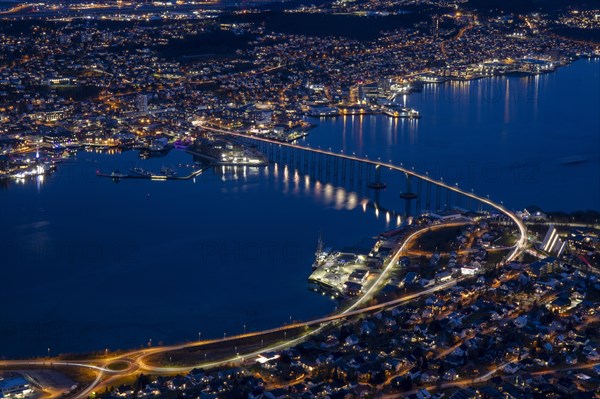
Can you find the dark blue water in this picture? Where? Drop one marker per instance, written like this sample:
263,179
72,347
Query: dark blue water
512,138
88,264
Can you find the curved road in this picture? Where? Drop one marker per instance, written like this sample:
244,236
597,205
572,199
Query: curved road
136,358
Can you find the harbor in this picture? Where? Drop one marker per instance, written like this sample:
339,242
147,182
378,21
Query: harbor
348,273
223,152
210,150
382,107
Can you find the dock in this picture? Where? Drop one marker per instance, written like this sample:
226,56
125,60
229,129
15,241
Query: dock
154,177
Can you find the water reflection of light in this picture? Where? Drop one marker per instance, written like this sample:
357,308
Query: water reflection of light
340,198
360,128
507,102
318,188
352,201
275,170
39,181
328,192
296,182
306,184
536,83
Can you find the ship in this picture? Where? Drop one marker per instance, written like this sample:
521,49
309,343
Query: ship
157,147
115,174
168,172
398,111
433,79
223,152
140,172
321,254
322,111
182,144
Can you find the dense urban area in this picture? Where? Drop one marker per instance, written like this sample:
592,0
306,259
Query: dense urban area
455,304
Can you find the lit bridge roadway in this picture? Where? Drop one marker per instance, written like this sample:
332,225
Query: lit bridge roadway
521,243
135,360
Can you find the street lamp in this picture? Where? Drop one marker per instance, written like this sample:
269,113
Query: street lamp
199,335
244,329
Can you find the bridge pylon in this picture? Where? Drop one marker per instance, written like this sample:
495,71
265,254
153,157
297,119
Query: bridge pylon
377,184
408,195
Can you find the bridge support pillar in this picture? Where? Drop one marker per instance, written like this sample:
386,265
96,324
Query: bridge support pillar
428,200
408,195
419,190
335,168
377,184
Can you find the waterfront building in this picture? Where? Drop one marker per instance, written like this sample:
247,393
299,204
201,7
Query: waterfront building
15,387
552,242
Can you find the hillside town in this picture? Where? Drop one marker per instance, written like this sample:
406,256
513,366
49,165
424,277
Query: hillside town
109,82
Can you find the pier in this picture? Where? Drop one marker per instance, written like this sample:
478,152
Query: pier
152,176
